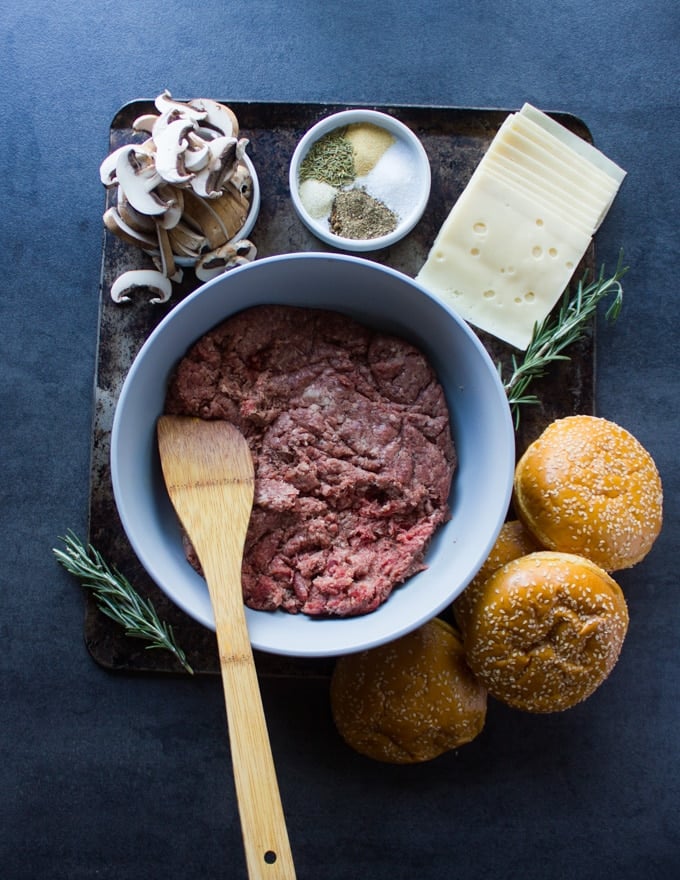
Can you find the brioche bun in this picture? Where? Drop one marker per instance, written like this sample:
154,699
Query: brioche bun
512,542
545,631
409,700
587,486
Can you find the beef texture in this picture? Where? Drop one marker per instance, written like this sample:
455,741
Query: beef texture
352,447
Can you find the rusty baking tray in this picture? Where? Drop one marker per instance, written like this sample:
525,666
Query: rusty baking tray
455,140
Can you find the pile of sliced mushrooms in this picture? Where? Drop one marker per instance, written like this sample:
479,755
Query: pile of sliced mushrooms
182,195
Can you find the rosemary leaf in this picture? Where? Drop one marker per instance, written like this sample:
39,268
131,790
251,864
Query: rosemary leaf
559,330
117,598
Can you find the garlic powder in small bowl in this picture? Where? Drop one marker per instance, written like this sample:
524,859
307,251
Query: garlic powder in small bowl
360,180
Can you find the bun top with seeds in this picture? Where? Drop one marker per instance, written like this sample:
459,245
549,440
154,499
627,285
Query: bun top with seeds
545,631
587,486
410,700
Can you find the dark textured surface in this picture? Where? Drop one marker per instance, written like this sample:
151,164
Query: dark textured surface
127,776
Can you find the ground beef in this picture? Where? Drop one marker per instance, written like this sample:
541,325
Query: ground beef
350,437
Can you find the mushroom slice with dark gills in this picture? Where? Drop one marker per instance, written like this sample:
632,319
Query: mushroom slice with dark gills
136,173
141,278
171,146
224,258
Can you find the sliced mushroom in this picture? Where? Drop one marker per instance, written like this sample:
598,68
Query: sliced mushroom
171,144
141,278
174,199
207,182
245,249
202,214
242,180
165,120
224,258
185,241
107,170
166,258
165,103
230,170
115,224
137,174
197,155
138,221
184,190
148,147
145,122
219,118
232,209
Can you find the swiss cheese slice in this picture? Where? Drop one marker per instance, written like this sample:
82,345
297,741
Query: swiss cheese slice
574,143
500,262
543,192
582,197
540,202
509,247
593,173
597,187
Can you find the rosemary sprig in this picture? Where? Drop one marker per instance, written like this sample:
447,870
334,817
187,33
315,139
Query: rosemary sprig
117,598
557,331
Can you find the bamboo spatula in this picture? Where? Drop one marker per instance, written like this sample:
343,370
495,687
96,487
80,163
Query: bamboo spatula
208,472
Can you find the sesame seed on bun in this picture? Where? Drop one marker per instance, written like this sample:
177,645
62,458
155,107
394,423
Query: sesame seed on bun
587,486
410,700
513,541
545,631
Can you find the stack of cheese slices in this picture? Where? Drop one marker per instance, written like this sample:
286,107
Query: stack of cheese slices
512,241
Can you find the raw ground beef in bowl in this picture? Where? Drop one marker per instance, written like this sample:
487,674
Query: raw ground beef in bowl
350,435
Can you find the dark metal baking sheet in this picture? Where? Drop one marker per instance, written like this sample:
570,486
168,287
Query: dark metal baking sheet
455,140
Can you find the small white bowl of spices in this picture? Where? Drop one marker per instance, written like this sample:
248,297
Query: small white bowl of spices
360,180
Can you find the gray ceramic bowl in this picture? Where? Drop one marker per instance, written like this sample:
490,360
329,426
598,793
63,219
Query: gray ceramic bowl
375,295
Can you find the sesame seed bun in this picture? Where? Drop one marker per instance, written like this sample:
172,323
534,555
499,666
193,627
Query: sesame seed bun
545,631
409,700
587,486
512,542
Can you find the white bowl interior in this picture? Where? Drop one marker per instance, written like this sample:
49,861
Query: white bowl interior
401,132
375,295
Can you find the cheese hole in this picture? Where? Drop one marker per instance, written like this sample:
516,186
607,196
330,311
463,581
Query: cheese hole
529,296
474,252
439,255
479,228
518,299
489,294
569,264
539,222
537,252
552,252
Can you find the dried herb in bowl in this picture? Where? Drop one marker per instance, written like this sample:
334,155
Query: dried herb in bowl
329,160
356,214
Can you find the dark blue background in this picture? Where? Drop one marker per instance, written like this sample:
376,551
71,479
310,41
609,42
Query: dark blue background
103,776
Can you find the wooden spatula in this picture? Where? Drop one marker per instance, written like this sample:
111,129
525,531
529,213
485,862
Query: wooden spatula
208,472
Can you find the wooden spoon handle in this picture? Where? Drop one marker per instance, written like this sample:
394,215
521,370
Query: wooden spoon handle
208,470
263,824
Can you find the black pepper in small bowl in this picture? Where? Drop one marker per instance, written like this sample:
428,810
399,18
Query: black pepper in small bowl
358,215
